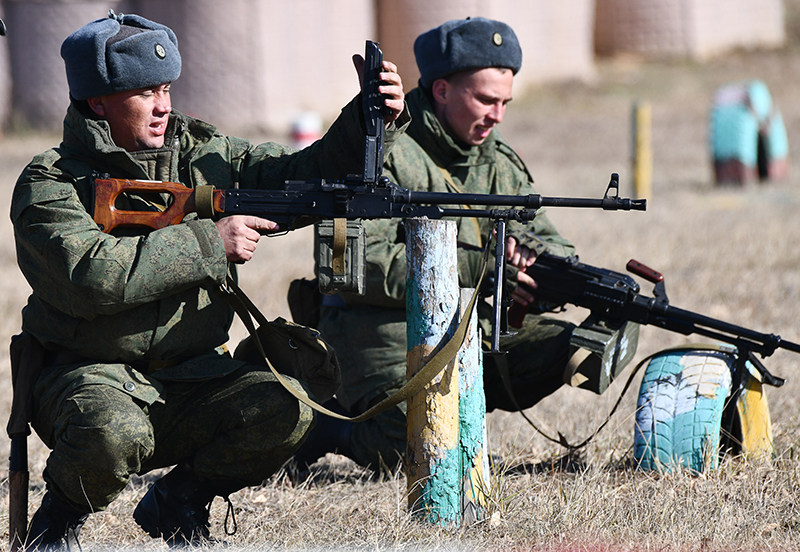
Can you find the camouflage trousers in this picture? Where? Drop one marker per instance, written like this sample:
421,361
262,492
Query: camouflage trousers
105,422
371,346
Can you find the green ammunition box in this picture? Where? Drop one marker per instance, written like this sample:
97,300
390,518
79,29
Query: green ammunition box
600,351
353,276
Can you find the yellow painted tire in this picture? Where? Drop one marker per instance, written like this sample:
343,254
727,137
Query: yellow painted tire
751,433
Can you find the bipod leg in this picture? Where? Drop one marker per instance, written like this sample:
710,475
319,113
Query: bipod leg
730,430
501,299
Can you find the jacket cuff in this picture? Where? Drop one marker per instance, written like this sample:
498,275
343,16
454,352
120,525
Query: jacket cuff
395,129
532,242
211,247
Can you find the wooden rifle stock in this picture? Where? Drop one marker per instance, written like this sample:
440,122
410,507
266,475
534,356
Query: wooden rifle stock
184,201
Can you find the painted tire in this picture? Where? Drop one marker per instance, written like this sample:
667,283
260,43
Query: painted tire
751,427
679,410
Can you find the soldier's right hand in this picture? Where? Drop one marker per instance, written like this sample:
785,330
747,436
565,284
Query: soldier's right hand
240,234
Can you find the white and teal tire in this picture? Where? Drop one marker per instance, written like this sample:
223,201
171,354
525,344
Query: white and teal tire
679,410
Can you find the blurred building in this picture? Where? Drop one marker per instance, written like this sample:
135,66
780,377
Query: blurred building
256,65
698,29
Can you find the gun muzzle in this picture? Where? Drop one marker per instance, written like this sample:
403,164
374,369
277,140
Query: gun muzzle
624,204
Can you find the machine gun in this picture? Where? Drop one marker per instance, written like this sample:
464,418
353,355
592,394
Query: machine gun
614,301
301,203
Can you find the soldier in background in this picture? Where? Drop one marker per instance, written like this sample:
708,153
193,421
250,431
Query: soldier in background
467,70
133,324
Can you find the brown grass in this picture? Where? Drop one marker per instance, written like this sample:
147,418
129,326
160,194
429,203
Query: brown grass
728,253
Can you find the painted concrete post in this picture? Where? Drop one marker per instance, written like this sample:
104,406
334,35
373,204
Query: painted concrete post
447,462
472,439
432,296
642,150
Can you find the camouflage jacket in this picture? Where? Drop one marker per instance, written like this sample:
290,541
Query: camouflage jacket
136,295
424,159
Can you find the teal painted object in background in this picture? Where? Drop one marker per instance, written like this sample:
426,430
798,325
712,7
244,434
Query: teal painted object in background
747,134
735,134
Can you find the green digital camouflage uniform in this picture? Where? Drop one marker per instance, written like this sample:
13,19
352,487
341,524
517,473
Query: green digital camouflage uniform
139,377
369,333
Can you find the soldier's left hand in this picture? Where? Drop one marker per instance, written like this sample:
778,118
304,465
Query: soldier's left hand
392,87
521,257
518,255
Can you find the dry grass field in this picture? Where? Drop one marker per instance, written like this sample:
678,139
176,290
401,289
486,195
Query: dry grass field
731,253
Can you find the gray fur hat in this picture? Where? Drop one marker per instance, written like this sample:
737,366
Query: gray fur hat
463,44
121,52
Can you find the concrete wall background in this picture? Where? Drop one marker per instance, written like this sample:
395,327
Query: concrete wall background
255,65
556,37
698,29
36,29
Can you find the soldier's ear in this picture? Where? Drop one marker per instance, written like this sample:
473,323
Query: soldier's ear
97,105
440,91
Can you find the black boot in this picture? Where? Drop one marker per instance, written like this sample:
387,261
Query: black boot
328,435
176,508
55,526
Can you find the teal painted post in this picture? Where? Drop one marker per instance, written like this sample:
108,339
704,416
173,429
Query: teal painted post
433,459
472,439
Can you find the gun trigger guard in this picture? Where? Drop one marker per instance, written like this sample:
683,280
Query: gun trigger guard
204,201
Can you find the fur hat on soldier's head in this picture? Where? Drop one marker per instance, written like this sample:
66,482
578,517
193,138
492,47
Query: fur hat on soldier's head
464,44
121,52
